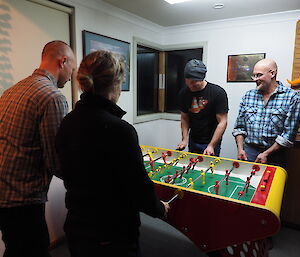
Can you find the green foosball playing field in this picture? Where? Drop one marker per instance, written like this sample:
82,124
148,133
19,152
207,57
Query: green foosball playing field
208,181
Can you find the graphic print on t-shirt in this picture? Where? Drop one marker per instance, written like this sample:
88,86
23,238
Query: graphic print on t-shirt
198,104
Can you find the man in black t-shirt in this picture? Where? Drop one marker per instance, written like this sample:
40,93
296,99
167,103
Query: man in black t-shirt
204,108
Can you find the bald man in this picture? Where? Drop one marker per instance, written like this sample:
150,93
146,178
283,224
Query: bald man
268,118
30,114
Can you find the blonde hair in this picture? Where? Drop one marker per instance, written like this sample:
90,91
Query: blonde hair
100,71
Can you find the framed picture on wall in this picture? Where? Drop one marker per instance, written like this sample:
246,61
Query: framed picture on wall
240,67
93,42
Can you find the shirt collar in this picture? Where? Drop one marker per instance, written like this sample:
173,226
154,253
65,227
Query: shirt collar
98,101
280,88
47,74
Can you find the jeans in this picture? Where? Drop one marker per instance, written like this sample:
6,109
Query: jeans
199,148
24,231
277,158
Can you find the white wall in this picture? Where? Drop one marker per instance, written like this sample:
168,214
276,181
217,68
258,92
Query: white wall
159,133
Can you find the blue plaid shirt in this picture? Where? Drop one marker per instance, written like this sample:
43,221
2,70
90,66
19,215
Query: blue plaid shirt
264,124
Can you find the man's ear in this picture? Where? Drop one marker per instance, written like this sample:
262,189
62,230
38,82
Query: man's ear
274,74
62,61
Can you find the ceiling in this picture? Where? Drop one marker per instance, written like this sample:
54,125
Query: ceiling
195,11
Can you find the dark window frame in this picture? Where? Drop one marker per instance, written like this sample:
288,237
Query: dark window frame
173,84
147,96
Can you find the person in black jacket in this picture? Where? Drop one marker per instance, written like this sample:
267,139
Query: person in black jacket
102,164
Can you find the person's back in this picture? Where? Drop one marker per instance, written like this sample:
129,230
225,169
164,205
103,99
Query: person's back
21,110
30,114
103,170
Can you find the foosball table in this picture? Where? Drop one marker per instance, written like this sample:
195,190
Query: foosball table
218,203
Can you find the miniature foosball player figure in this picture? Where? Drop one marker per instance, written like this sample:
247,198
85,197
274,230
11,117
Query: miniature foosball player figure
212,168
203,177
191,184
227,177
217,186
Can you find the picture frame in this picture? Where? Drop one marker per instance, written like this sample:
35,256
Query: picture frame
93,42
240,66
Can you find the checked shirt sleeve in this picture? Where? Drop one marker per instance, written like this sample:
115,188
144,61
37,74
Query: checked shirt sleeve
291,124
54,112
239,126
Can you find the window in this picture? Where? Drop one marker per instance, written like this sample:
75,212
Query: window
175,63
147,80
158,77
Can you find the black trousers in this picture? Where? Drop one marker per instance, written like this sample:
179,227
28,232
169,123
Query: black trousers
81,246
24,231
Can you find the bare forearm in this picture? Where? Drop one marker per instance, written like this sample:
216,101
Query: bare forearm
218,133
263,157
239,139
185,125
184,132
241,154
275,147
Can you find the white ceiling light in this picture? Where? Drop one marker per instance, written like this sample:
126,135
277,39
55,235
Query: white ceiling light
176,1
218,6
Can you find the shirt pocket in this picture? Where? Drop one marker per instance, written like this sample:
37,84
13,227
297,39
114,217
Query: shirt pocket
250,114
277,118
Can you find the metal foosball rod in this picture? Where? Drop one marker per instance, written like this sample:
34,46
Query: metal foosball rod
148,153
255,168
163,156
172,199
235,164
180,191
184,169
166,165
179,194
